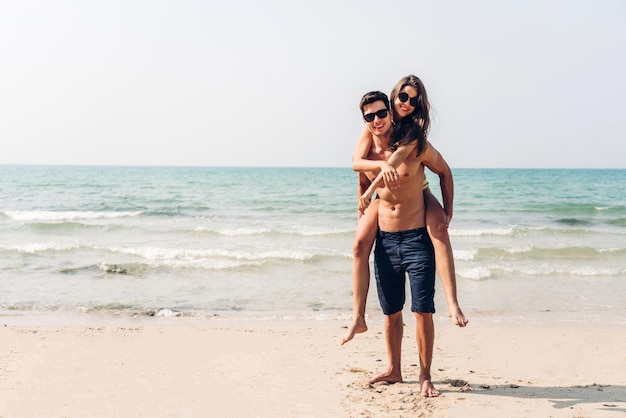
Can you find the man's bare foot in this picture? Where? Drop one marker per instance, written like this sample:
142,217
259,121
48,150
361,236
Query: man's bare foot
428,390
388,377
457,317
357,326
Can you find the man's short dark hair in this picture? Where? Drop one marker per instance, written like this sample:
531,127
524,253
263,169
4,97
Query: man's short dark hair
373,96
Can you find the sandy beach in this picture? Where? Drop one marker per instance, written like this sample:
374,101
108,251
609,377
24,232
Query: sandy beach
180,367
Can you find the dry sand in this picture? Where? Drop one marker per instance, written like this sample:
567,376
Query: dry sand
191,368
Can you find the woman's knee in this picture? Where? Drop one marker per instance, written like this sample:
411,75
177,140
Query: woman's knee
438,231
361,248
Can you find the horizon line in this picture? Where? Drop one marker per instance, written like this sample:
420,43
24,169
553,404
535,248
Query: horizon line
281,166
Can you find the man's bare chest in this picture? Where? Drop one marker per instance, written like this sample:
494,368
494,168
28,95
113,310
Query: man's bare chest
377,153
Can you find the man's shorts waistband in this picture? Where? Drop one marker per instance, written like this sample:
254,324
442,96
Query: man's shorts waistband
410,233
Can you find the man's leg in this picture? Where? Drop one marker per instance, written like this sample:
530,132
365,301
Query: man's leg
390,283
393,338
425,335
421,269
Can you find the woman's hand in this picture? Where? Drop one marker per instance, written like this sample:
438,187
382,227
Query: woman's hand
390,175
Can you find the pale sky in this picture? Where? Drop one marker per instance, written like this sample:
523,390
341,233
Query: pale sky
535,83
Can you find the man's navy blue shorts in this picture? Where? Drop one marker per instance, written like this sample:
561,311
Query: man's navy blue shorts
396,254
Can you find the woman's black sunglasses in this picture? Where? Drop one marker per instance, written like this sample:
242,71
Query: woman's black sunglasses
382,114
405,96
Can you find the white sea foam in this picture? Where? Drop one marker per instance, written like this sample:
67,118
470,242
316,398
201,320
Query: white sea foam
242,231
154,253
520,250
465,255
477,273
39,215
480,232
548,270
308,231
609,250
36,247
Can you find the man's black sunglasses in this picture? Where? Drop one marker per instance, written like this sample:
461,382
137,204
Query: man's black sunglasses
382,114
405,96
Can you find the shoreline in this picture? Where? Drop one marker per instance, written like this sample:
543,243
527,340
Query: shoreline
197,367
166,315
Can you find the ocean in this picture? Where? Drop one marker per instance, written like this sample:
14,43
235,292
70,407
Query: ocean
530,245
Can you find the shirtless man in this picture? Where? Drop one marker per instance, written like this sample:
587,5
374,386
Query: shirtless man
402,246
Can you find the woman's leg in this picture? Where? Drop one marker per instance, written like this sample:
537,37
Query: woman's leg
438,231
363,242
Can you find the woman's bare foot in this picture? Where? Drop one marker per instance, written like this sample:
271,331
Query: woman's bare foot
357,326
428,390
457,316
388,377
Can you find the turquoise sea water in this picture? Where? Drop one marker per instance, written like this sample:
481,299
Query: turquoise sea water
529,245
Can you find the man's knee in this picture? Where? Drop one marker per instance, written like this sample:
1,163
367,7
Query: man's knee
395,317
423,316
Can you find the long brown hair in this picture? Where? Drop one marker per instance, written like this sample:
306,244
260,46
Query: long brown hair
414,126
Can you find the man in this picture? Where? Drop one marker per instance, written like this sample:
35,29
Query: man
402,243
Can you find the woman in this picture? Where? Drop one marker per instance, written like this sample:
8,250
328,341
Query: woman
411,113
